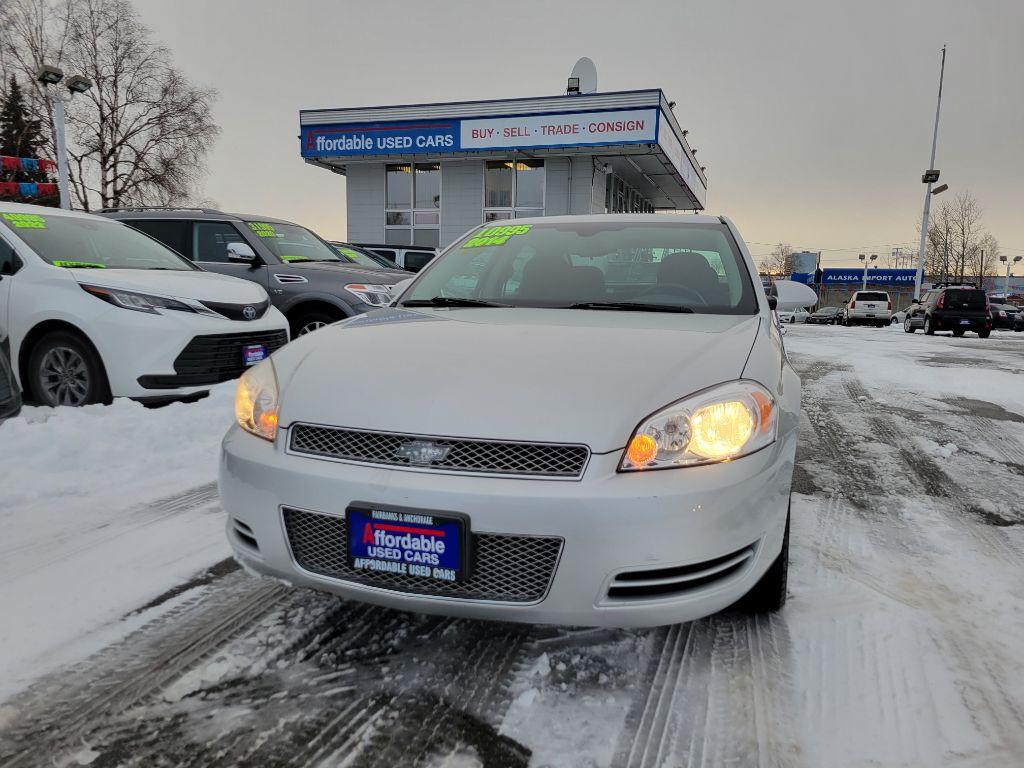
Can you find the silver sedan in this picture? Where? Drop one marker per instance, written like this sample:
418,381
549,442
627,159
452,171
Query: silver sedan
585,420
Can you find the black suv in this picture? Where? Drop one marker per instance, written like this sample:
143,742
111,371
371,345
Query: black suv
958,309
306,278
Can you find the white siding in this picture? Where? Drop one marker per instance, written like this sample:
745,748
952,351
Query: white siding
365,193
588,186
462,196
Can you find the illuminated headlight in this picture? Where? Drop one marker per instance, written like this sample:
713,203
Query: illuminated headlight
257,401
374,295
718,424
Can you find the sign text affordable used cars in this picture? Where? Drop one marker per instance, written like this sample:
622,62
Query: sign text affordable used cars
443,136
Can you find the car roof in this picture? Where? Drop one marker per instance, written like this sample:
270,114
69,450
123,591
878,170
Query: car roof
199,214
393,247
43,210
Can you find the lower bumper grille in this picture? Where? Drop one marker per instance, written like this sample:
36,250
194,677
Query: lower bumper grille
506,568
666,582
213,359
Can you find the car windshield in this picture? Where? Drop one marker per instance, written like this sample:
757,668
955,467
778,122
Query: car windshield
73,241
353,256
827,311
590,265
290,242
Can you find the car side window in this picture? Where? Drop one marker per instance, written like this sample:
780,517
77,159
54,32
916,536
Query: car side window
173,234
9,261
210,240
387,254
417,260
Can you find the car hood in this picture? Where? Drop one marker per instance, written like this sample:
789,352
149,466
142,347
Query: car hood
572,376
203,286
353,273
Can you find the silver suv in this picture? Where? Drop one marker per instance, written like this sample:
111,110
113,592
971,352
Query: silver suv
306,278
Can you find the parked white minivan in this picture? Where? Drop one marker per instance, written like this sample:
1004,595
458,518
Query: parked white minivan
96,309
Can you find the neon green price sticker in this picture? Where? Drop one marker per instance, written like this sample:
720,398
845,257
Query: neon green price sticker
350,253
26,220
287,257
84,264
262,229
497,235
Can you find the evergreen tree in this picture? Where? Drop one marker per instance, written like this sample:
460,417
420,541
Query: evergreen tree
20,136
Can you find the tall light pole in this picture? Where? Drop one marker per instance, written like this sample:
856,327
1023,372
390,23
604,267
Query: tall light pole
866,260
930,177
49,75
1006,280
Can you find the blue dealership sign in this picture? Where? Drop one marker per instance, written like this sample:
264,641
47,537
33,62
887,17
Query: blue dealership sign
380,138
847,275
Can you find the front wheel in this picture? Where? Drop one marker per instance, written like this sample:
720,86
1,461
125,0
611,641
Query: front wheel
908,326
769,594
958,332
928,329
984,334
307,321
65,370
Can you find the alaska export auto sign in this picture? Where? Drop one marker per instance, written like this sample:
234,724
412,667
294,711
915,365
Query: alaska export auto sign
638,126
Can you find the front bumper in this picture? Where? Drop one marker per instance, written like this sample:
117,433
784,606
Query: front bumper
608,523
137,345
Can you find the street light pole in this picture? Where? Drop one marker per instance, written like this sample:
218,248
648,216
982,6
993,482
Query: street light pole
1006,280
932,178
865,259
57,101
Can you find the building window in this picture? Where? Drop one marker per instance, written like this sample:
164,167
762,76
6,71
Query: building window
620,197
413,204
513,189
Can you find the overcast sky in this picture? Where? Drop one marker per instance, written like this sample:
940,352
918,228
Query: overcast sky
813,117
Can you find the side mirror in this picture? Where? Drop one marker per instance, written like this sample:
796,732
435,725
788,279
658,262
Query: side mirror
241,253
773,303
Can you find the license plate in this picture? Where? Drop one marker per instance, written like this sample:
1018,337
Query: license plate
965,322
871,306
423,545
253,353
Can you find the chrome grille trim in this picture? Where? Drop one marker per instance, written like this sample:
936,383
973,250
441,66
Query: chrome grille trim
507,568
468,456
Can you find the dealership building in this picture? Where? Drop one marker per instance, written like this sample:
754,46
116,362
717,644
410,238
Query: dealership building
424,174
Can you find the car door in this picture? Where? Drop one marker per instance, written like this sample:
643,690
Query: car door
209,248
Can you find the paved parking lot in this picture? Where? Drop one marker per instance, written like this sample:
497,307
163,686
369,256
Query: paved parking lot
900,644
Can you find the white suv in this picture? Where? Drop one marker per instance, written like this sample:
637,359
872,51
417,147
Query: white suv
96,309
868,308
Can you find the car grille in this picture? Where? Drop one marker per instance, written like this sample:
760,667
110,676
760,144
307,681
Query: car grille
505,568
213,359
237,311
484,456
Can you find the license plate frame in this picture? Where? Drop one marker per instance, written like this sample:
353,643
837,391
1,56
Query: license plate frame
404,524
254,353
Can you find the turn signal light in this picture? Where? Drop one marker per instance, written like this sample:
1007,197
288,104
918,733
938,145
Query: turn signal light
642,450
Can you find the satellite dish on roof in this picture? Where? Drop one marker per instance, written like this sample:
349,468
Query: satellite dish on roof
583,78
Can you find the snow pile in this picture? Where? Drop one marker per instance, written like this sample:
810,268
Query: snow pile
83,542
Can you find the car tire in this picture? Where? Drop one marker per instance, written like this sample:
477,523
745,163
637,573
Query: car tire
928,330
309,320
982,334
908,326
958,332
769,594
64,369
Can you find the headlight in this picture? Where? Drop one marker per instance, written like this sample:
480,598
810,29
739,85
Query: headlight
374,295
257,401
718,424
140,302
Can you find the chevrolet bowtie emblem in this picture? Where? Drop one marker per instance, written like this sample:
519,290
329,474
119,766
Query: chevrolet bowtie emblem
422,453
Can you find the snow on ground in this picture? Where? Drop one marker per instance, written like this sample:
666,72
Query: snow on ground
899,646
103,509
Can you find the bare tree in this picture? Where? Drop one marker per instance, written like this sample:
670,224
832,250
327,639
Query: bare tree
142,133
984,260
779,262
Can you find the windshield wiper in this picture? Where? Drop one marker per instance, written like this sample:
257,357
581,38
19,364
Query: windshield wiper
632,306
451,301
